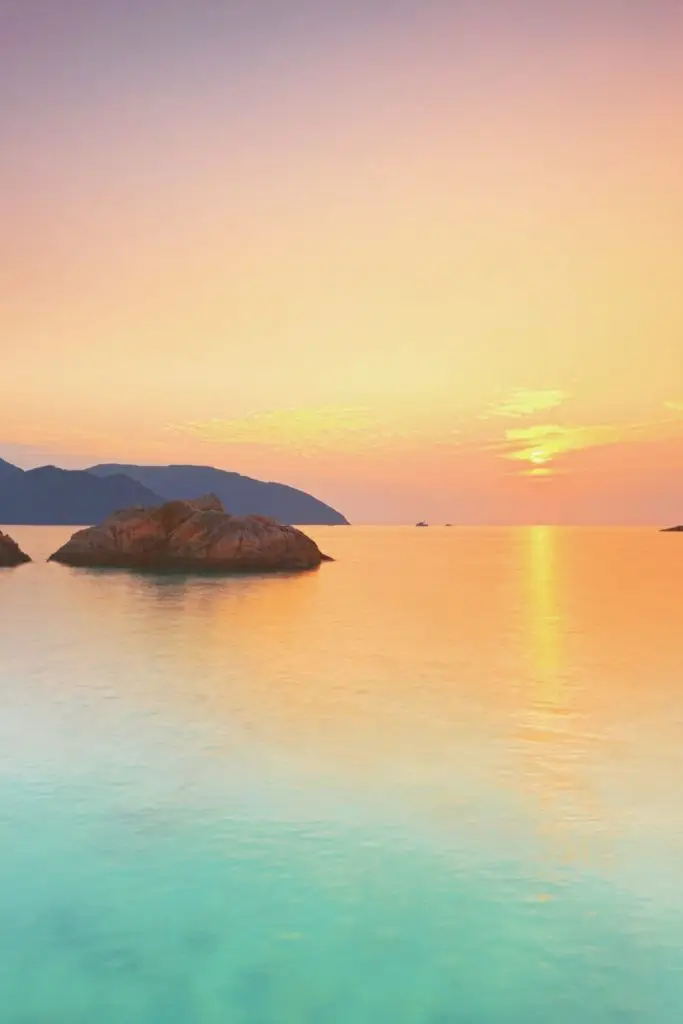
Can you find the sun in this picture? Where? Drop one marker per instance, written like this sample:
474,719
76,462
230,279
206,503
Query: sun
538,457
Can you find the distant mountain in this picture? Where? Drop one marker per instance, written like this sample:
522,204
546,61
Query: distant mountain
62,497
241,495
8,471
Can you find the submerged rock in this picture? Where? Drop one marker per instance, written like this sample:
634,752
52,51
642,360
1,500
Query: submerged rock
191,536
10,552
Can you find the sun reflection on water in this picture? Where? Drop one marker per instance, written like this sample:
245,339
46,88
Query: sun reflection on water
555,731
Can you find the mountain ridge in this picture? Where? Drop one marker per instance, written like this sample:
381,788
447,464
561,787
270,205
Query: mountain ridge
49,496
8,471
241,495
52,496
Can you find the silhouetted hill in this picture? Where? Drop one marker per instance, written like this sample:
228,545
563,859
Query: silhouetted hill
8,471
61,497
241,495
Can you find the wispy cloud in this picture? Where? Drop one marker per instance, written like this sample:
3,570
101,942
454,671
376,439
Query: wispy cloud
676,405
527,403
283,428
540,445
327,428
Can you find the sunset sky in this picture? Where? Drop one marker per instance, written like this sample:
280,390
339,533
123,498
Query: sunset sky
424,260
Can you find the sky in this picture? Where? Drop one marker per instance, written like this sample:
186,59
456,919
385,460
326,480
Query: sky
421,259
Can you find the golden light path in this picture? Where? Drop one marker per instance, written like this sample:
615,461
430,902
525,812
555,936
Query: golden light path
553,716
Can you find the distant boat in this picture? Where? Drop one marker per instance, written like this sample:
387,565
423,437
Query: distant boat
449,524
422,523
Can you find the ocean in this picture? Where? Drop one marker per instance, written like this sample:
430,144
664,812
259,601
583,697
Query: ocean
434,782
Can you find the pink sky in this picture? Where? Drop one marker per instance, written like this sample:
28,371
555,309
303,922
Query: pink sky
420,263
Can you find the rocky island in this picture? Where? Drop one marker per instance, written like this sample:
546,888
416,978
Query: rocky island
673,529
191,536
10,552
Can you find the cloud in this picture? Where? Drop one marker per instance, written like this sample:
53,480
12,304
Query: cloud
528,403
327,428
677,406
540,445
285,428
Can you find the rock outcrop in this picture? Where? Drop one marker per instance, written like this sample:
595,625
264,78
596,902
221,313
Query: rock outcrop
191,536
673,529
10,552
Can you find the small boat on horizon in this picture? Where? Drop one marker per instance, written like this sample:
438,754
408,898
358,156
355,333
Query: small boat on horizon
422,523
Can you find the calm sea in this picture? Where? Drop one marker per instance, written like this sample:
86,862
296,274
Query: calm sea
435,782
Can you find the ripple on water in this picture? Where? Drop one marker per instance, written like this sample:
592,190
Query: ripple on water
421,790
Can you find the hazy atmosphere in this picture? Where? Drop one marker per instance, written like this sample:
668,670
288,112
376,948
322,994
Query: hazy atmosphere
283,280
422,260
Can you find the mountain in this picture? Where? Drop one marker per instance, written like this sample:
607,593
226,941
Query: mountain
8,471
62,497
241,495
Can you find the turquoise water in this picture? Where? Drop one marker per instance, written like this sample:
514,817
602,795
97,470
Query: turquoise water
436,781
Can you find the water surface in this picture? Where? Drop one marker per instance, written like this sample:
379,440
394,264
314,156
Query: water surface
436,781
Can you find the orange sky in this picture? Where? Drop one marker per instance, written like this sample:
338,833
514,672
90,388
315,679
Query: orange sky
421,263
